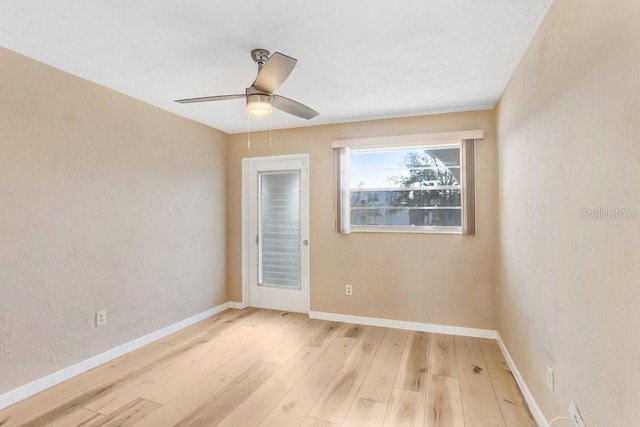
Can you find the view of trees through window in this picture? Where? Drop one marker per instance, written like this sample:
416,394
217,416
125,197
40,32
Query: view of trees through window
406,187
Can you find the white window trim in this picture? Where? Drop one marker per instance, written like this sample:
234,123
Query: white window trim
434,140
409,140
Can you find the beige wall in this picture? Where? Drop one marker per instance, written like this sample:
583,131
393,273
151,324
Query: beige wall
434,278
105,203
569,139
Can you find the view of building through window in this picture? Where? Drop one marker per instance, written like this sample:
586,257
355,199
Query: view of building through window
406,187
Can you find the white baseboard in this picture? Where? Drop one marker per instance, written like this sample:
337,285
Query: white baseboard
401,324
236,305
533,405
37,386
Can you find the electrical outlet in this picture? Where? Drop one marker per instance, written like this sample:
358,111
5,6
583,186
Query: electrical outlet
577,418
348,290
101,318
550,378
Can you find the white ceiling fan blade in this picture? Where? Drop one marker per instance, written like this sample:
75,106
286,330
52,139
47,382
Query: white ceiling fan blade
210,98
293,107
274,72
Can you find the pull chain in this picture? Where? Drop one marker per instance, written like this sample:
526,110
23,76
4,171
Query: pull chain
248,130
270,115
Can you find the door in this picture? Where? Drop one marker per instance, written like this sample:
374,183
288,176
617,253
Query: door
277,232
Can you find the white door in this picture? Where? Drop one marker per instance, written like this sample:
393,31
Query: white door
277,236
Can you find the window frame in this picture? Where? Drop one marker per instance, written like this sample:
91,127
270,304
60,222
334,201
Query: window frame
464,141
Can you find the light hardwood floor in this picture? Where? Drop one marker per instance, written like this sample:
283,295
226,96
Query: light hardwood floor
271,368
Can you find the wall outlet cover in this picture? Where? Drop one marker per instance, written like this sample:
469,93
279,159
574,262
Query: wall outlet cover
101,318
550,378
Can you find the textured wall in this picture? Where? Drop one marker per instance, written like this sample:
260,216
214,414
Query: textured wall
569,139
105,203
435,278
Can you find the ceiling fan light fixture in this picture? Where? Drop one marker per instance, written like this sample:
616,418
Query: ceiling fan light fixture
259,108
259,105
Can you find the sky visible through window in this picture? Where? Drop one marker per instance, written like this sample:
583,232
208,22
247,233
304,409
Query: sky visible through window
362,162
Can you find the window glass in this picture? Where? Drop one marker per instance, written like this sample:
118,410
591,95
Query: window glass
405,187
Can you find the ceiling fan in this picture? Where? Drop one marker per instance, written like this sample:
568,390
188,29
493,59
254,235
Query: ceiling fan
273,70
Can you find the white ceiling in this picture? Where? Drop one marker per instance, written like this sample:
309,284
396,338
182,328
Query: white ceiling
357,60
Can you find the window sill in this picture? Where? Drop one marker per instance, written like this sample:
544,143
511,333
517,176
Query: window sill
409,230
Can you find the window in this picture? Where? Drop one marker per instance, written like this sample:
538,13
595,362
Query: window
406,185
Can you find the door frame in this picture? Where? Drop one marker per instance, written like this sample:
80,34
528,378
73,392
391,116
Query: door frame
248,237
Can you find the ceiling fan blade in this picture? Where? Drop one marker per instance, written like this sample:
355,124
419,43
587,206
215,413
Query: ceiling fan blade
274,72
292,107
210,98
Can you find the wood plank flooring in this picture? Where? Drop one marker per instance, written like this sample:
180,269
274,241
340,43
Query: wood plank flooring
257,367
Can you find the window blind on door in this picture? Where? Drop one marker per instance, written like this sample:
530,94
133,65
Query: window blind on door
279,229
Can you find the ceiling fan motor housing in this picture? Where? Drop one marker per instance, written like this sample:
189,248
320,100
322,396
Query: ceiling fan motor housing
258,97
